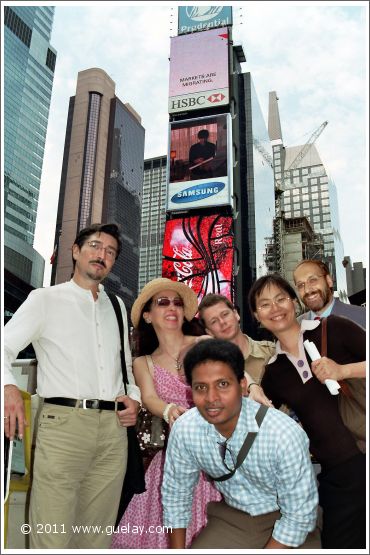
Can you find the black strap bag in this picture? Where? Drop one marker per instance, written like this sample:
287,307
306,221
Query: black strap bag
244,450
134,481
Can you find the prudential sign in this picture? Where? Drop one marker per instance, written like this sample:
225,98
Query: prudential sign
202,18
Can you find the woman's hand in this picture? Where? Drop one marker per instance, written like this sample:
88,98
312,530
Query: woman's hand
257,394
174,413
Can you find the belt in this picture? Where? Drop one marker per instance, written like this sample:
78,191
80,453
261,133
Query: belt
86,403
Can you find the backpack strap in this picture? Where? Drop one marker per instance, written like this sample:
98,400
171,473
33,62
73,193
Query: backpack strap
245,448
117,309
324,337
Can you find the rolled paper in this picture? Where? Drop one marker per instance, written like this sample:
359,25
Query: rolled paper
332,385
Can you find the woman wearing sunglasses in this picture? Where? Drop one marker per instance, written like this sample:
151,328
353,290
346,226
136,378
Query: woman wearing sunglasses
163,318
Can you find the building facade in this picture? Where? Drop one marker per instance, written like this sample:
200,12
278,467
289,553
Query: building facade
307,191
29,63
254,190
101,178
153,219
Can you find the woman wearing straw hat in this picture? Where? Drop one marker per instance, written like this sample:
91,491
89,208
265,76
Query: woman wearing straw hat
165,328
162,316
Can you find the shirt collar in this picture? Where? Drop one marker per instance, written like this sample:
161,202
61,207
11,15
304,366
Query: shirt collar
305,325
326,312
246,423
83,291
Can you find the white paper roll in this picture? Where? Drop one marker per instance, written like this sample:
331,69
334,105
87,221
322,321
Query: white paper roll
332,385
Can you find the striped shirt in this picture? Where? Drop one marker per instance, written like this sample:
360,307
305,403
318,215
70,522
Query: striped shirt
277,473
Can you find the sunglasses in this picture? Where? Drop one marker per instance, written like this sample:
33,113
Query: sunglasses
165,301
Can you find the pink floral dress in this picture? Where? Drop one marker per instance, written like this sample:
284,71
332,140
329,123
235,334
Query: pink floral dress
141,525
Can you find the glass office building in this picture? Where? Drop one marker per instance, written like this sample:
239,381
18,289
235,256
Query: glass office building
122,197
153,219
255,192
102,178
29,62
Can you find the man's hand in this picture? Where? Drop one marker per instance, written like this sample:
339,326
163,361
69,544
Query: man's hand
128,416
13,412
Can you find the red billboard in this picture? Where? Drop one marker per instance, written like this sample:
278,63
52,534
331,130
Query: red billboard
199,250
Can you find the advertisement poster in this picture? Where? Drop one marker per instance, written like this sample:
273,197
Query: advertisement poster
200,168
201,18
199,251
199,71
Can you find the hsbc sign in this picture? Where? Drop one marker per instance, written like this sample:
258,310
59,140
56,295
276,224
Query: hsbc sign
199,69
197,101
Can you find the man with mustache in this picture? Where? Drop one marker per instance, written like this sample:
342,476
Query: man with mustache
315,289
81,449
270,494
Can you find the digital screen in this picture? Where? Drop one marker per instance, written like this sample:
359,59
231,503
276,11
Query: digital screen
199,158
199,71
199,250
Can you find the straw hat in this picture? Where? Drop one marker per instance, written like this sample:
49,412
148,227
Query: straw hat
161,284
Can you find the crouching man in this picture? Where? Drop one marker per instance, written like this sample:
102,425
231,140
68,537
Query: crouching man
257,456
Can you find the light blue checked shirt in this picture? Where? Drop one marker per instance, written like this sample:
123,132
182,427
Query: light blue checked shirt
277,473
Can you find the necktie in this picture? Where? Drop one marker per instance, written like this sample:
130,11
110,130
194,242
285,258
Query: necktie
317,318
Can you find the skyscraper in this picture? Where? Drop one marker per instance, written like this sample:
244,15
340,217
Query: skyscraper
29,62
101,178
309,191
153,219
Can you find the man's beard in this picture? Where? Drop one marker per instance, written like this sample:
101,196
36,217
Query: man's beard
323,300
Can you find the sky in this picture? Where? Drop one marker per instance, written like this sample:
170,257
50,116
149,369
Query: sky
313,54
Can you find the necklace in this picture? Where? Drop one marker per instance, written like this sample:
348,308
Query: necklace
178,363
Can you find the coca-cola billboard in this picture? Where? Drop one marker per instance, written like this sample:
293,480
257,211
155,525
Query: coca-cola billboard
199,250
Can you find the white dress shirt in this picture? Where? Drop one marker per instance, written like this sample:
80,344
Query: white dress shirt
76,341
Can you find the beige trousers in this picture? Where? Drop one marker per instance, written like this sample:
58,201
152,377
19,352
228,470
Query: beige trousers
229,528
80,462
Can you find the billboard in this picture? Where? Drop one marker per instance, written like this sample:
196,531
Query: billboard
199,71
202,18
200,164
199,250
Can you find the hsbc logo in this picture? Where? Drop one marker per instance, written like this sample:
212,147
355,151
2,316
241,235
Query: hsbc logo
214,98
187,102
197,101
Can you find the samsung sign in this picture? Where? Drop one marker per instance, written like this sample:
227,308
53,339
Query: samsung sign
198,192
202,18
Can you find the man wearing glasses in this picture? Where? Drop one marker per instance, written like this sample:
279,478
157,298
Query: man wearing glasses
222,321
81,441
315,289
257,456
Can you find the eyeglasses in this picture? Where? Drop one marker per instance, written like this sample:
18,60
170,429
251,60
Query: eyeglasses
311,282
267,305
224,452
98,246
166,301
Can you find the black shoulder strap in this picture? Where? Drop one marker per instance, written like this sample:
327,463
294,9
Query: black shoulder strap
248,442
117,310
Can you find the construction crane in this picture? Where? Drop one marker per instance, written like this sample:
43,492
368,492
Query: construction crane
279,190
301,154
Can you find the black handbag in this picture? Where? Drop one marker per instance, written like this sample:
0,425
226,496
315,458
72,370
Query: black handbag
152,431
134,481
